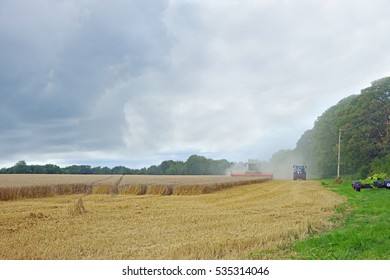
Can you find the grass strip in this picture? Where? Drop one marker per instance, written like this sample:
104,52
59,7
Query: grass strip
364,234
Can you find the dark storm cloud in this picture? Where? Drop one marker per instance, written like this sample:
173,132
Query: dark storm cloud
59,60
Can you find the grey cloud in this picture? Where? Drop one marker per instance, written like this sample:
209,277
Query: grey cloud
59,65
137,81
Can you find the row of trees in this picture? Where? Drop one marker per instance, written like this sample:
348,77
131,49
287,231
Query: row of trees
195,165
364,120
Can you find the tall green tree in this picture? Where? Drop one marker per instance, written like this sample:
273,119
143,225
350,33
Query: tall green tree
364,121
21,167
197,165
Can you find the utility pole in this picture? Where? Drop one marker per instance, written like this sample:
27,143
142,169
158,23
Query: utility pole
338,155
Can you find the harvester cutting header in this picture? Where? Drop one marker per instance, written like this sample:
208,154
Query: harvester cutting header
252,169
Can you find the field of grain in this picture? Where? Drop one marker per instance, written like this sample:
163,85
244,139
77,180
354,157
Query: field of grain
232,223
181,185
19,186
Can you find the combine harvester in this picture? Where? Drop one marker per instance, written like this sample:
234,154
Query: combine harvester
252,170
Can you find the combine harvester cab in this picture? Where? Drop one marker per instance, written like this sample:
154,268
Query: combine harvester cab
252,170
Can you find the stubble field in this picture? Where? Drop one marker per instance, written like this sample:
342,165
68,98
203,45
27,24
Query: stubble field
232,223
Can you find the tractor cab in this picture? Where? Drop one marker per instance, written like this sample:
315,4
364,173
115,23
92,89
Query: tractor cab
299,172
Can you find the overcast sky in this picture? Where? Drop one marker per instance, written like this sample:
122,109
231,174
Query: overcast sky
134,83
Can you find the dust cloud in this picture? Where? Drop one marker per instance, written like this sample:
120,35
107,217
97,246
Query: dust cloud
238,167
281,164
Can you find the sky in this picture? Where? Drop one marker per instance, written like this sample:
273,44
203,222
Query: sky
134,83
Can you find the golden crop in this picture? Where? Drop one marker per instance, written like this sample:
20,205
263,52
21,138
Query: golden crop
18,186
233,223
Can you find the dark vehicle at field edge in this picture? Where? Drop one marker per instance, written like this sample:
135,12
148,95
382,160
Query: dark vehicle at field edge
357,185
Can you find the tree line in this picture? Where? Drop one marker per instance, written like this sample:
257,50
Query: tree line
194,165
364,120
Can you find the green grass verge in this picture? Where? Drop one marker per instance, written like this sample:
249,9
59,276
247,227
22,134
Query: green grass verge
364,235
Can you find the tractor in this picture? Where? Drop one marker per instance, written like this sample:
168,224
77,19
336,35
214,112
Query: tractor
299,172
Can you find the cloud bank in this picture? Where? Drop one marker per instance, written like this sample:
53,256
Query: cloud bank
138,82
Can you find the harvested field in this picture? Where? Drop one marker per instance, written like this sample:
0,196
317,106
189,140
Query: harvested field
229,224
19,186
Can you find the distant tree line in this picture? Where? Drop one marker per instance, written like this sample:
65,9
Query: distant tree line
364,120
194,165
